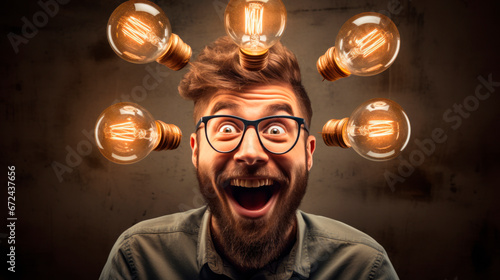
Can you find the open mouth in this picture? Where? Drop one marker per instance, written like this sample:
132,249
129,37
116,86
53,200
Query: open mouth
252,197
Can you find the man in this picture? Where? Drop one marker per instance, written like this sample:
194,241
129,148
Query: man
252,151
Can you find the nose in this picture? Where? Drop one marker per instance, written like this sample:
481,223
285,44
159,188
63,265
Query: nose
250,151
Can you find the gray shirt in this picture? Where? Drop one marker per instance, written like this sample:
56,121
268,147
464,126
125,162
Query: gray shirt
179,246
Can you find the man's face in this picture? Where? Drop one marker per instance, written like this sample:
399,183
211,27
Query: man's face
253,194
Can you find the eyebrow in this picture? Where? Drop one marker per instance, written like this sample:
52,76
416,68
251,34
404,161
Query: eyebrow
269,110
273,108
223,105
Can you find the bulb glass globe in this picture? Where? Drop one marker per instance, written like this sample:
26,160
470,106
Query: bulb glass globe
255,25
378,129
126,133
367,44
139,31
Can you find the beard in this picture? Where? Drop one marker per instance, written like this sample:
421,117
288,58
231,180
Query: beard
251,244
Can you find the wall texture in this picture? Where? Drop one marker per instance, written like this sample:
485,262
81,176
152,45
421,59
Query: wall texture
437,217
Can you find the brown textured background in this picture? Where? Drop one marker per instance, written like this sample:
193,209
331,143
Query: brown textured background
441,222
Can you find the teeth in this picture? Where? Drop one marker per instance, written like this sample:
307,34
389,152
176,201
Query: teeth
251,183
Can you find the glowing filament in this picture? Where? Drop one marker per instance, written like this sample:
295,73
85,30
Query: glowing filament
253,20
126,131
370,43
139,32
378,128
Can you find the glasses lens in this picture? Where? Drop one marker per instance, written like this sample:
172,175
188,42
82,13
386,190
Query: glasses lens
224,133
278,134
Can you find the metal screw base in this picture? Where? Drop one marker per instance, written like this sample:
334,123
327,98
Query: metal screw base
333,133
170,136
253,62
177,55
328,67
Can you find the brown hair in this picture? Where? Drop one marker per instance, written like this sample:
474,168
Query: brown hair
217,68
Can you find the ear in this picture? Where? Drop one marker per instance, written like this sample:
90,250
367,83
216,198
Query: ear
310,147
194,148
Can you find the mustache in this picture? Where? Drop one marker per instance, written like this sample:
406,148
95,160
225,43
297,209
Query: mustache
223,179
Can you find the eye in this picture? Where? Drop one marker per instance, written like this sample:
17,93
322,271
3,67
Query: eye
227,128
275,130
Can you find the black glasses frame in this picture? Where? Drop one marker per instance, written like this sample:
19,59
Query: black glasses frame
255,124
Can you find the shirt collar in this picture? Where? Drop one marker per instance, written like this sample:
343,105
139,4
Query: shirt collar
296,262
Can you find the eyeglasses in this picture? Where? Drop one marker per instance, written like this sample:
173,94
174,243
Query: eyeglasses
277,134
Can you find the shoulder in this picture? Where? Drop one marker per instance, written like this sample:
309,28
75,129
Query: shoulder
185,222
157,247
320,227
337,250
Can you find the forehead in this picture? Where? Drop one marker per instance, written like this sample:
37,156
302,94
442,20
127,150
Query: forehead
261,100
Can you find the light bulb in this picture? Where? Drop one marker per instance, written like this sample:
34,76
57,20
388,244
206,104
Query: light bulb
126,133
377,130
366,45
255,26
139,32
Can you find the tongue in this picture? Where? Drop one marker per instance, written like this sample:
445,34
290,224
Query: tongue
252,198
